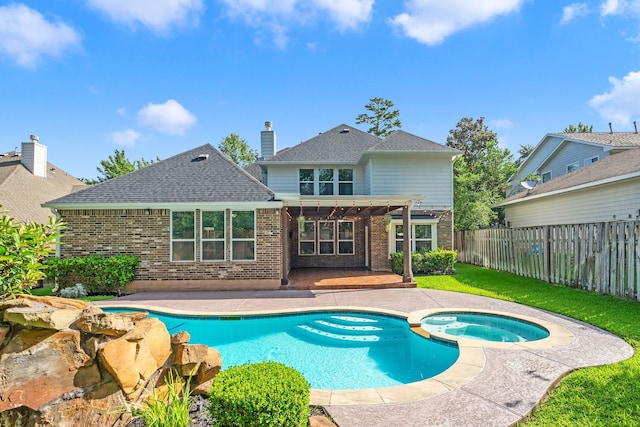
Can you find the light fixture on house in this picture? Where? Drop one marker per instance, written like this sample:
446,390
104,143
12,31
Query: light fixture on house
147,211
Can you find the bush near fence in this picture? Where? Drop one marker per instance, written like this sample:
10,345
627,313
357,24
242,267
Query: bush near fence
100,275
601,257
438,261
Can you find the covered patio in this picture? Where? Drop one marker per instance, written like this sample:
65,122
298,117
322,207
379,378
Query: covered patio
343,278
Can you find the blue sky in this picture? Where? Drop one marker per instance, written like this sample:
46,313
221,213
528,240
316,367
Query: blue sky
158,77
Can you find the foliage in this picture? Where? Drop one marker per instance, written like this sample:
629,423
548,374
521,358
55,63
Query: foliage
581,128
116,165
238,150
480,174
76,291
260,394
524,151
98,274
438,261
383,121
23,247
170,409
600,396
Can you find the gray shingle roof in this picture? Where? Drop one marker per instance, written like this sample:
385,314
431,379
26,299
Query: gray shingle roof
615,139
610,167
183,178
346,144
401,141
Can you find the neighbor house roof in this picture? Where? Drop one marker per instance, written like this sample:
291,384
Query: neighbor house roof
613,139
22,193
346,144
616,167
200,175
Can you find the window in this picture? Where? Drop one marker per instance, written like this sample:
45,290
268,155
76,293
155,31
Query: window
573,166
345,238
326,237
183,236
212,236
423,237
307,239
325,182
345,182
306,182
243,236
591,160
546,176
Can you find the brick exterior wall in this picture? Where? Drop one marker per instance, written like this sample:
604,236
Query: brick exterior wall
147,236
445,229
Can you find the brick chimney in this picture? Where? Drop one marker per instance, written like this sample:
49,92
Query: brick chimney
267,142
34,157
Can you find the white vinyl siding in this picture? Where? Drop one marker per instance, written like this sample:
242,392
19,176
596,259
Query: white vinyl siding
592,204
414,174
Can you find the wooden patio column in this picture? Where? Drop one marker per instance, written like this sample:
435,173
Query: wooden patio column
407,276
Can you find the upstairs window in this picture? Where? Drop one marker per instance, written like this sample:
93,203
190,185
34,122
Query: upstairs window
183,236
345,182
212,241
306,182
591,160
573,166
325,182
546,176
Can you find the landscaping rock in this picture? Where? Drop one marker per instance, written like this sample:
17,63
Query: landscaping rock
105,324
42,316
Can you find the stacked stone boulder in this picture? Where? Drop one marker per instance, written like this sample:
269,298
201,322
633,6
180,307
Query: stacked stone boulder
66,363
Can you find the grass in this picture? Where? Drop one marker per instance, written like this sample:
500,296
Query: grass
601,396
47,291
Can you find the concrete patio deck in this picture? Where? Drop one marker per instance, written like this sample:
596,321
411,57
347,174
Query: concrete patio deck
495,386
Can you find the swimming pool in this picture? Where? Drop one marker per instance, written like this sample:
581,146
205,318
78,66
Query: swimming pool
484,326
336,350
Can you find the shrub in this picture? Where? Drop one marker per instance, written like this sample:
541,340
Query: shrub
260,394
99,274
397,263
170,409
417,262
76,291
22,250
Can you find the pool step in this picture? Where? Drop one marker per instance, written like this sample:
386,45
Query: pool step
324,324
351,337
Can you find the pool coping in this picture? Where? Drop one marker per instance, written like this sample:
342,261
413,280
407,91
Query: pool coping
470,363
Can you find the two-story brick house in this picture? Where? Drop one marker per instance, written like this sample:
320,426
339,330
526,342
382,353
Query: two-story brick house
198,221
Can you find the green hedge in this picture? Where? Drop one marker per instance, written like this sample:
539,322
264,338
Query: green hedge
260,394
100,275
439,261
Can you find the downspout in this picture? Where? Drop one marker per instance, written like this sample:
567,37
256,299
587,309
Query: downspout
55,212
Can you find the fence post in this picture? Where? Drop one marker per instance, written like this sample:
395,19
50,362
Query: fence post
546,253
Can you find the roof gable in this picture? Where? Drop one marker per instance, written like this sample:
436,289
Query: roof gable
401,141
199,175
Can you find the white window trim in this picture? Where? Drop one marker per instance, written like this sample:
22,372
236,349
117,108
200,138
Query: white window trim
318,240
223,239
576,164
414,222
543,174
337,175
314,241
352,240
336,181
182,240
244,239
591,160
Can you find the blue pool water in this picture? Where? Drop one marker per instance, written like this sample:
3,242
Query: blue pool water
481,326
333,350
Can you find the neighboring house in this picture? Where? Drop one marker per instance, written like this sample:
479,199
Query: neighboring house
607,190
199,221
560,153
27,180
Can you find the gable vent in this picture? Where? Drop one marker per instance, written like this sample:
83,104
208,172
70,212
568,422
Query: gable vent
202,157
345,130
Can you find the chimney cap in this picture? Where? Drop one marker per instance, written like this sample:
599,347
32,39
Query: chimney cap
34,138
267,125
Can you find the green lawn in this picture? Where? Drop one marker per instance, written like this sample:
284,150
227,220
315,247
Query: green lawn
601,396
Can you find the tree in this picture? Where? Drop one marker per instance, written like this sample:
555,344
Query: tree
582,128
238,150
524,151
22,249
116,165
480,174
383,121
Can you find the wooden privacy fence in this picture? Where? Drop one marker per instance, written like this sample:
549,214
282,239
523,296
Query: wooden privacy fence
602,257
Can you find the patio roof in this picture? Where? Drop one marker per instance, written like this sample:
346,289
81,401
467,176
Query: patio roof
361,205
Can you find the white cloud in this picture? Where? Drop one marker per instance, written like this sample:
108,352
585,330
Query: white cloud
501,124
609,7
621,102
620,7
170,117
277,16
432,21
126,138
26,36
157,15
574,10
